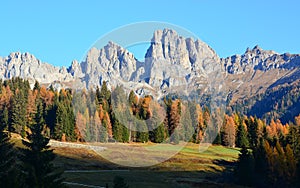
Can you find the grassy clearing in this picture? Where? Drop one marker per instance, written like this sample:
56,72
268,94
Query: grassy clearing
187,168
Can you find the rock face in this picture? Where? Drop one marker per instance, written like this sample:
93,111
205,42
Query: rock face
29,67
111,63
171,62
75,69
258,59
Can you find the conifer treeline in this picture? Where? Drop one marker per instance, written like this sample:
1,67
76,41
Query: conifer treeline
18,102
271,155
94,116
31,165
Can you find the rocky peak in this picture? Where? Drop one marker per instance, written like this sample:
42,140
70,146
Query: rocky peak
24,58
75,69
110,63
257,50
169,46
171,60
258,59
27,66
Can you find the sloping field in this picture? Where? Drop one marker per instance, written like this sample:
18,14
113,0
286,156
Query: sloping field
86,167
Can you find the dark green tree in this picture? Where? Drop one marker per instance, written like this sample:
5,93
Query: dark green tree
104,97
59,121
241,137
65,118
245,167
117,129
186,121
37,157
125,134
142,133
261,166
50,116
19,102
252,126
159,133
9,171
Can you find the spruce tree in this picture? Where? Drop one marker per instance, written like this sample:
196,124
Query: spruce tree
104,97
241,137
37,157
159,133
117,129
65,118
59,121
19,102
252,127
125,134
245,167
9,174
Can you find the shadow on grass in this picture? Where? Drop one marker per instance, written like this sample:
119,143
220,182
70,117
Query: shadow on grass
86,168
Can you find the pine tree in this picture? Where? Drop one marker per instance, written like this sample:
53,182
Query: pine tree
19,112
159,133
104,97
241,137
125,134
65,118
142,133
59,121
245,167
37,157
252,127
260,154
117,130
186,122
9,175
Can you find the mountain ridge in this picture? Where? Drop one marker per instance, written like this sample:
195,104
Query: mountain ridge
170,61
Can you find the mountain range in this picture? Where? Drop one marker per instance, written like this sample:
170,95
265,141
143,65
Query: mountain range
256,80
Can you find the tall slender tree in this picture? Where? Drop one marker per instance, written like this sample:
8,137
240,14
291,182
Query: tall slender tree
245,167
37,157
19,102
9,174
241,137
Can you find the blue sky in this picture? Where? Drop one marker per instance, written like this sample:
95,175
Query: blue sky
59,31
